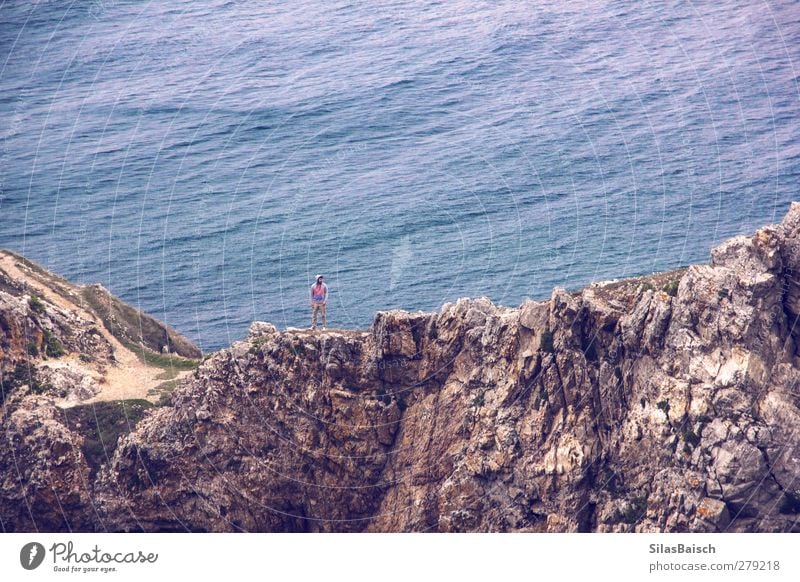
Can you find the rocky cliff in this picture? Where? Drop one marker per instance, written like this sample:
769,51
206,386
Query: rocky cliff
77,368
661,403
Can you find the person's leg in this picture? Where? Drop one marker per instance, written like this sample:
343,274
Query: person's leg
314,308
324,308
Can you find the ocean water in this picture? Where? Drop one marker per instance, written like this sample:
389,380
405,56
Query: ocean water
204,159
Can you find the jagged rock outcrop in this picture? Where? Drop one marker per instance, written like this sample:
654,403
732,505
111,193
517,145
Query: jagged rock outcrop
45,479
662,403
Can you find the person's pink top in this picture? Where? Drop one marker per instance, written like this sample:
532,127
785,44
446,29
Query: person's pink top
318,292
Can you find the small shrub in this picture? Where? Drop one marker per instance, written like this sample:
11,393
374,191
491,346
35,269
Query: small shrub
37,387
635,510
36,304
12,381
52,347
478,400
33,349
543,395
24,374
542,399
647,286
663,405
691,437
20,375
671,288
255,347
546,341
790,503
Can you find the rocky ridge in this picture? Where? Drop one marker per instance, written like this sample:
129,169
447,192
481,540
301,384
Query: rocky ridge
661,403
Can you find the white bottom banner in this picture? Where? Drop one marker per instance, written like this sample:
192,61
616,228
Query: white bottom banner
372,557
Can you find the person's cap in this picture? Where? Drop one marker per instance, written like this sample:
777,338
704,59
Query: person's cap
318,277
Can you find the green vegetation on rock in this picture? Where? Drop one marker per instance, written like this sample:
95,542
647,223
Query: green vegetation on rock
51,346
101,425
36,304
636,510
671,288
170,363
546,343
134,328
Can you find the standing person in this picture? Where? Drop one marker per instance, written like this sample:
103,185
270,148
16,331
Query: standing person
319,301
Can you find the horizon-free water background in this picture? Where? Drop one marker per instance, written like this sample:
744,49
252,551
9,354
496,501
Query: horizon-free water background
205,159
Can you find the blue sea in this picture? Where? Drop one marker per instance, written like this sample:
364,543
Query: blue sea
205,159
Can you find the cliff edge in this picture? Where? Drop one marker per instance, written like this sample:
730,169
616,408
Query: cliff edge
660,403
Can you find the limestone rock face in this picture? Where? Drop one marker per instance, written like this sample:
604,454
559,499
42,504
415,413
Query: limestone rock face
45,482
663,403
789,231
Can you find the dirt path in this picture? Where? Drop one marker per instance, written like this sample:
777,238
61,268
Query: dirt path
129,377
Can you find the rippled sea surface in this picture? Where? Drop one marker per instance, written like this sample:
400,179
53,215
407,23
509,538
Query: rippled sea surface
205,159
